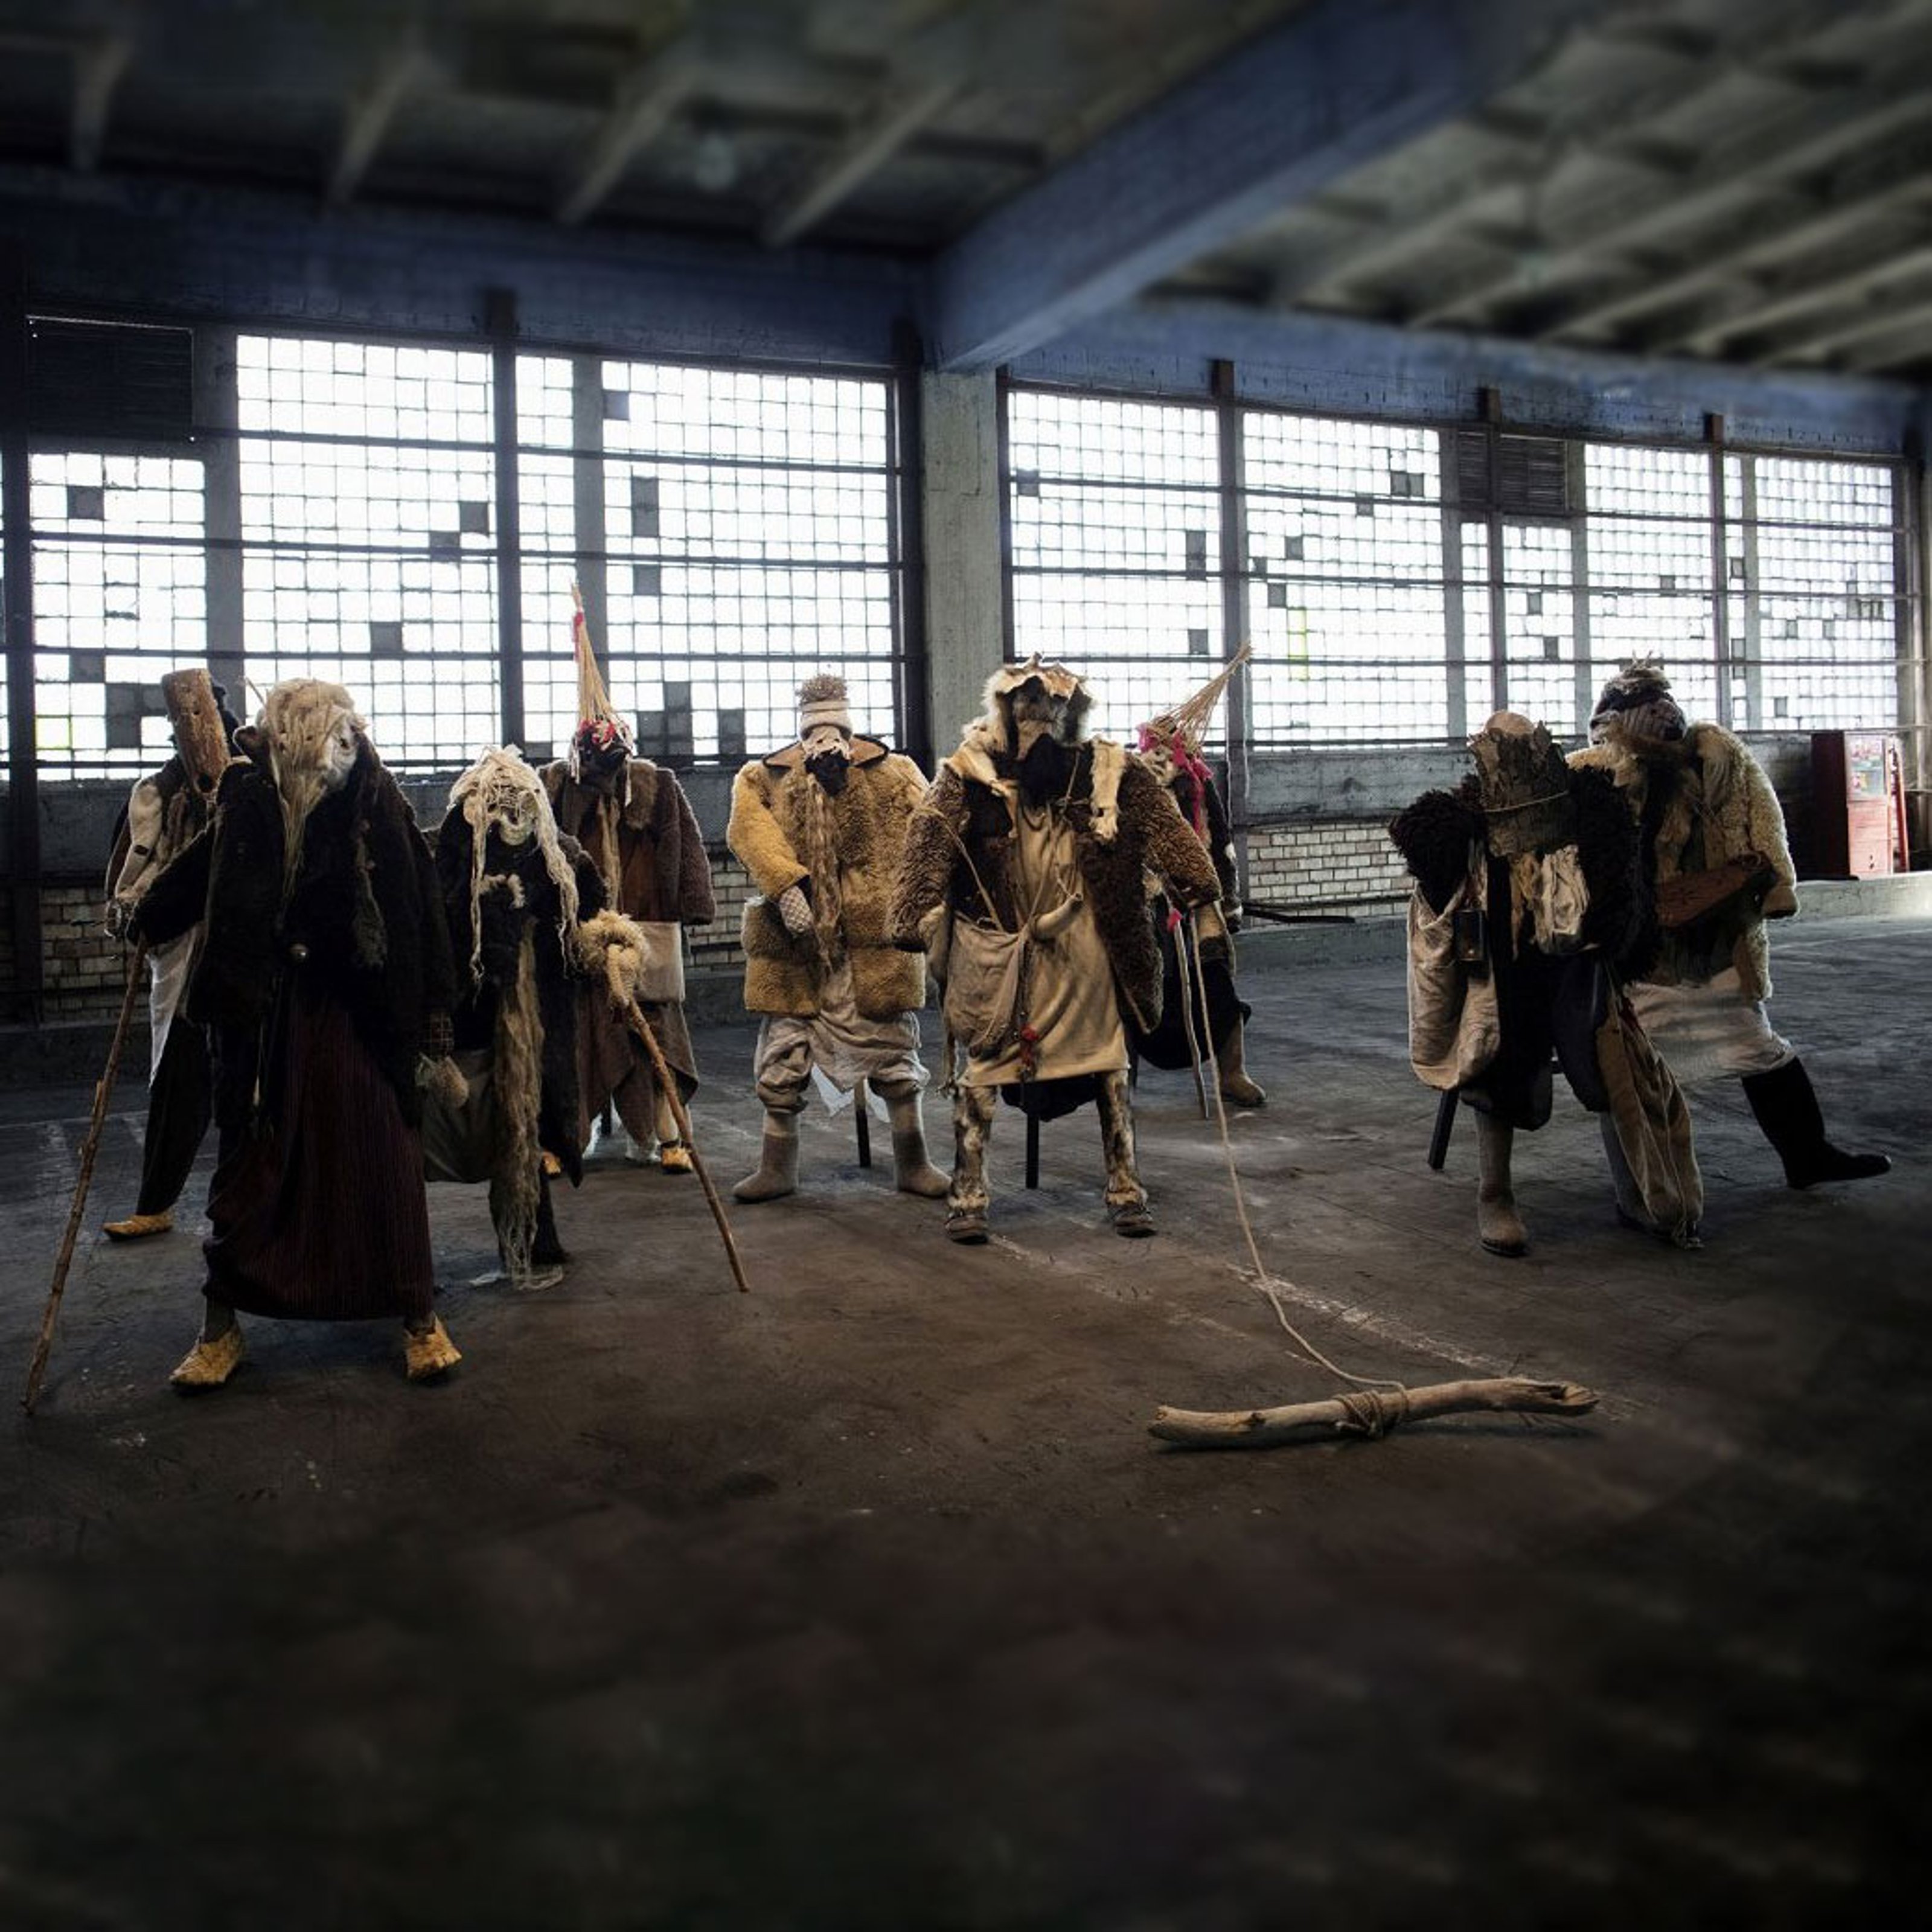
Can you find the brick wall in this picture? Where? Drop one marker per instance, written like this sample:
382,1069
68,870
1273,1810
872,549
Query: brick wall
715,947
1331,865
84,970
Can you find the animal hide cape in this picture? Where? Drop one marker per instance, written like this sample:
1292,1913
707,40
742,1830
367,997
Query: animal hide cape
1716,788
965,817
363,918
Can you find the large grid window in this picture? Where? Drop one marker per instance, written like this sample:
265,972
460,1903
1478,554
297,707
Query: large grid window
1116,546
1568,559
119,599
367,483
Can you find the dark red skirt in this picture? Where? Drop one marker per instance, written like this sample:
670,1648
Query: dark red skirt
318,1212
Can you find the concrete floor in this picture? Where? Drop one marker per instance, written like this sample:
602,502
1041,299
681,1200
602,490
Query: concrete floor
865,1600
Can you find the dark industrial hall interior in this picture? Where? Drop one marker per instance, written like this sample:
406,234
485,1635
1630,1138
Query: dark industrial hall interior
697,692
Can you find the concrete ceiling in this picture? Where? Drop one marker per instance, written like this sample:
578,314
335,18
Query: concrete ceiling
1746,180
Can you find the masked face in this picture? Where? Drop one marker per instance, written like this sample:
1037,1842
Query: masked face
828,757
515,821
200,731
338,755
1037,713
602,752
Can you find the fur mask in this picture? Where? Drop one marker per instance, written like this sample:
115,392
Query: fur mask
1525,782
1637,714
312,736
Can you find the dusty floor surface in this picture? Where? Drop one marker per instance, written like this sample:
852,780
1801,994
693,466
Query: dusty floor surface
865,1600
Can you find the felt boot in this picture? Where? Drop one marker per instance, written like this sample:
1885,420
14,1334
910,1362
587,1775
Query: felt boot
912,1171
210,1361
138,1227
1237,1089
429,1352
1499,1226
778,1160
1788,1110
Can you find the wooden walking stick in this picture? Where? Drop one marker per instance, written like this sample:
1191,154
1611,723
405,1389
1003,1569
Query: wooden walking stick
667,1086
104,1088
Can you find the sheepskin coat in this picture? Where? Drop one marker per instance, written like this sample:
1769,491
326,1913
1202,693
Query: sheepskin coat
1699,810
870,817
662,870
363,922
1125,826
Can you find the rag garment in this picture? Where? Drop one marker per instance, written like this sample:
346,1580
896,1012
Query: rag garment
844,1046
1710,1031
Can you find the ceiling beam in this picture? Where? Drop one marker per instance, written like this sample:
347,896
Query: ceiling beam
870,144
369,115
1853,319
98,65
1873,187
1700,63
1284,117
645,105
1819,132
1902,342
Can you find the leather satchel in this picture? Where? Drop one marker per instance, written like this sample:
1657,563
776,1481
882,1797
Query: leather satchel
1737,887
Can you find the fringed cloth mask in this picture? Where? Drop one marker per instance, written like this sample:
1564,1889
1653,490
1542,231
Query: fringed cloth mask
501,796
312,734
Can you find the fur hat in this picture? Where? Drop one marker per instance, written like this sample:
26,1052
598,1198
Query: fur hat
1059,681
1636,707
822,701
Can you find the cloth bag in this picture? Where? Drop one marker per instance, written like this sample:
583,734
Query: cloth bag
983,971
1453,1030
1653,1124
458,1142
662,979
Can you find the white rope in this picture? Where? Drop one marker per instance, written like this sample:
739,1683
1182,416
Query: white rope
1273,1286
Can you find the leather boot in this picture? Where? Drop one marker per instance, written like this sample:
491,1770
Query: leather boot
778,1160
1788,1110
1499,1226
912,1171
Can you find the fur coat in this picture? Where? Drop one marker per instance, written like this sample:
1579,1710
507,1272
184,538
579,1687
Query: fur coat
870,817
1126,825
363,922
1433,835
1720,791
531,904
662,872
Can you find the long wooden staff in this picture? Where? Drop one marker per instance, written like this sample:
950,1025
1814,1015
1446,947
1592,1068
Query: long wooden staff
1366,1413
104,1088
667,1086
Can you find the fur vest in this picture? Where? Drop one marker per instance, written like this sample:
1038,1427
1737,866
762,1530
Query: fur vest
1125,826
1717,798
649,848
363,923
870,819
519,897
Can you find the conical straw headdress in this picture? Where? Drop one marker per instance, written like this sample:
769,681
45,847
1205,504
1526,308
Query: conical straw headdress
1190,719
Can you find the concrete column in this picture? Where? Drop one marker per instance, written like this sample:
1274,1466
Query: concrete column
965,593
217,414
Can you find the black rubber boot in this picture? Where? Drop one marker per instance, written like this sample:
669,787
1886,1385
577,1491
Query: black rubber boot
546,1245
1788,1110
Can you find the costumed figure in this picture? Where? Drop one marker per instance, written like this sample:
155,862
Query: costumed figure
165,813
632,818
1171,745
1714,843
1025,875
1530,916
324,970
515,889
821,826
